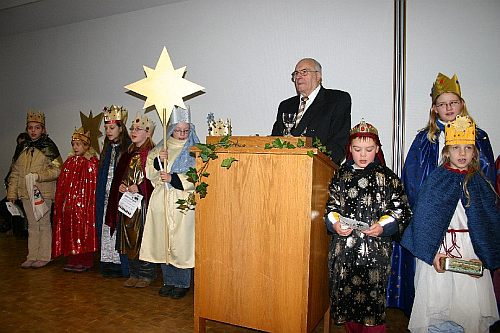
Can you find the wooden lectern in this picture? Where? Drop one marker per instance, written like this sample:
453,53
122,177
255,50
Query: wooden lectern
261,243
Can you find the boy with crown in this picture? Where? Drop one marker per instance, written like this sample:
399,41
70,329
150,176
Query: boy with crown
455,216
38,160
130,176
365,190
74,234
116,143
169,232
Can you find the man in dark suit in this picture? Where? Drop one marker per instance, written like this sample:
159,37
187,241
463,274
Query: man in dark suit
322,113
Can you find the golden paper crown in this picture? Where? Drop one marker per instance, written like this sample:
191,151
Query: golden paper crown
35,116
115,114
364,128
81,135
461,131
443,84
144,122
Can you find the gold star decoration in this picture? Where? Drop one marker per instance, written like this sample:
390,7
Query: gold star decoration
92,124
164,87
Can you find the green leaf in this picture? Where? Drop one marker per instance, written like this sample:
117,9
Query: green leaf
310,153
277,143
300,143
226,163
268,146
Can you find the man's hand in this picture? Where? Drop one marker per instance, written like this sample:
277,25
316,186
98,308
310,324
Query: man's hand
375,230
339,230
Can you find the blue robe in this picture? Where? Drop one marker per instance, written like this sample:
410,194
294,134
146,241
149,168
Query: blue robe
435,206
421,160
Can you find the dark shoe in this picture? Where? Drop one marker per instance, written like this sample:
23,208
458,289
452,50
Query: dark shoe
166,290
80,268
142,283
68,268
131,282
179,292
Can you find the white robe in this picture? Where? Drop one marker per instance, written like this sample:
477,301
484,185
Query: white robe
450,296
168,232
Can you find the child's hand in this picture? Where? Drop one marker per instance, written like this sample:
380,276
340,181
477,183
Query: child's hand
133,188
123,188
437,262
163,154
375,230
165,176
339,230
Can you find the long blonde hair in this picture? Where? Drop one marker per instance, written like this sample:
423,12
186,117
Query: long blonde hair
473,168
432,127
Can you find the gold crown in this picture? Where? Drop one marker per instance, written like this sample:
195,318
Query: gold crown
364,128
461,131
81,135
443,84
144,122
35,116
115,114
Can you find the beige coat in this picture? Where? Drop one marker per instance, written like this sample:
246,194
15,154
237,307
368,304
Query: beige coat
168,232
32,160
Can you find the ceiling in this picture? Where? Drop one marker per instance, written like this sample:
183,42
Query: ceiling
18,16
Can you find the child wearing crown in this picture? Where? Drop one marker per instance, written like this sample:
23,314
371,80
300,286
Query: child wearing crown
422,158
455,216
39,160
115,145
74,234
130,176
167,227
365,190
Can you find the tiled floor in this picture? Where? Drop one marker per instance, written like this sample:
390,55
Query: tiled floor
51,300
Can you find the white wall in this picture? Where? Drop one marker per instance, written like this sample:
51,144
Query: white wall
454,36
242,52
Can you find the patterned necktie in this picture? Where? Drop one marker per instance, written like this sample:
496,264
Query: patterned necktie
302,110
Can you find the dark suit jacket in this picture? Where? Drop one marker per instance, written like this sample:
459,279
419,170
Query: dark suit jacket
328,118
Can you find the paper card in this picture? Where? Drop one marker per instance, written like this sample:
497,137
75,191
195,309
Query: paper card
14,209
354,224
129,203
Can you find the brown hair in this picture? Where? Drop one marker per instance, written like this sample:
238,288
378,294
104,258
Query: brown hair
123,140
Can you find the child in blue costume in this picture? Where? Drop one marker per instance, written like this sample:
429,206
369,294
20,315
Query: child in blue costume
422,159
116,142
455,216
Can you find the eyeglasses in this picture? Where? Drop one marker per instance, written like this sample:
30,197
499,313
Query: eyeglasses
136,129
181,131
302,72
451,104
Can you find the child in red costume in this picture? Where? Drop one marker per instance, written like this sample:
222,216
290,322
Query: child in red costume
74,233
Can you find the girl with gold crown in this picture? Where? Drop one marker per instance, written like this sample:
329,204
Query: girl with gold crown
130,176
455,216
169,232
115,145
366,191
39,160
422,158
74,234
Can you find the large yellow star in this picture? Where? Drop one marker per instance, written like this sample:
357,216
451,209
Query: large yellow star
92,124
164,86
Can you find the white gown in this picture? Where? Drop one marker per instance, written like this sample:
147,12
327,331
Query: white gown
449,296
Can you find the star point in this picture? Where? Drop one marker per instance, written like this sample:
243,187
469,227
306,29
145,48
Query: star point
164,87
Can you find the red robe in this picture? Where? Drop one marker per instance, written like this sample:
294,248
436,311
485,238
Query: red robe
73,227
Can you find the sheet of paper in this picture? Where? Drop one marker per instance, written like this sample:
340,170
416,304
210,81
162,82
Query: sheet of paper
14,209
354,224
129,203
